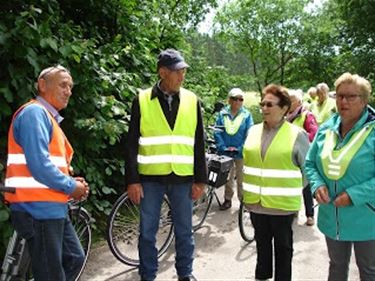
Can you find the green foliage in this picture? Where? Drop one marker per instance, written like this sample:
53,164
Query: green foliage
267,32
110,48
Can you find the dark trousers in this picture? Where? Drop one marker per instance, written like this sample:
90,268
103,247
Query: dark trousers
308,201
56,253
278,229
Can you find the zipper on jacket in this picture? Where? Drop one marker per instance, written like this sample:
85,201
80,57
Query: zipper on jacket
336,214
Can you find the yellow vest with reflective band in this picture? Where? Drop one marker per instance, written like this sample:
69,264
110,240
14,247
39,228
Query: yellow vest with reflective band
232,126
300,120
323,112
274,182
335,162
161,149
18,175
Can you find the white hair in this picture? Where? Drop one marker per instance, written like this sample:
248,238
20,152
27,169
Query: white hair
298,94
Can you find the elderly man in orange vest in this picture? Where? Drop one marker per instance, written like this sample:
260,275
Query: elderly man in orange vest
39,156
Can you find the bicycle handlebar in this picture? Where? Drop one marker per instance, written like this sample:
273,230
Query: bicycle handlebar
7,189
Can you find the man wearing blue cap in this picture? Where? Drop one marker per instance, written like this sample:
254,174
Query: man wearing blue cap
165,156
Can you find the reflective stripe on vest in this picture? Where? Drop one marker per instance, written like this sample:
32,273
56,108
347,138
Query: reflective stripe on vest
336,162
18,175
232,126
274,182
161,150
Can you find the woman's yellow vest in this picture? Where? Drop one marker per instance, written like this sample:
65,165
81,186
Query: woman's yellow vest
161,149
300,120
274,182
232,126
335,162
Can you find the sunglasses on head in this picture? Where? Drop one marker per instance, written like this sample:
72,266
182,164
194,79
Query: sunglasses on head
267,104
236,99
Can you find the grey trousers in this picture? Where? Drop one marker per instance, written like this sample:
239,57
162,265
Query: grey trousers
339,254
235,173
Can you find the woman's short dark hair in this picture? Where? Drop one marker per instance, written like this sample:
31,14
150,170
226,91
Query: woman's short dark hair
280,92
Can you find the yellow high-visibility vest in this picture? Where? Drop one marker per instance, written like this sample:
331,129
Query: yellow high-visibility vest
161,149
275,181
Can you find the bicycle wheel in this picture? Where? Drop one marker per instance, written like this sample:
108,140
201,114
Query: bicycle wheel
123,230
245,226
81,221
201,208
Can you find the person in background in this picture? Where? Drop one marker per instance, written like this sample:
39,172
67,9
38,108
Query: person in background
340,167
324,106
310,97
301,117
166,155
235,121
39,156
274,154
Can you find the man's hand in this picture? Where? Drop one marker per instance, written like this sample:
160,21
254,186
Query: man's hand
342,200
197,190
322,195
135,192
82,189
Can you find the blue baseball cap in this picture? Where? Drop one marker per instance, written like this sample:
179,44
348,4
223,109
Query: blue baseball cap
172,59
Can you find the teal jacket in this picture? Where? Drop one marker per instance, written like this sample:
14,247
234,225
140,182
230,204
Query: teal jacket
355,222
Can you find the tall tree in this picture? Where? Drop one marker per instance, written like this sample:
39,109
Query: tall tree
267,31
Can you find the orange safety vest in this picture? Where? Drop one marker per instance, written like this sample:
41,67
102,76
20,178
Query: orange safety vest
18,175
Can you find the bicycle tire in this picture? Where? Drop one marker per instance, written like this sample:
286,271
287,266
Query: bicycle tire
201,208
244,223
82,226
123,230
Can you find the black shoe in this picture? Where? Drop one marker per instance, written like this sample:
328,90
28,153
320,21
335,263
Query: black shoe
226,205
187,278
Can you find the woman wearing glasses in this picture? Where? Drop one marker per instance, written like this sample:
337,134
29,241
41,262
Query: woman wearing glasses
340,166
274,154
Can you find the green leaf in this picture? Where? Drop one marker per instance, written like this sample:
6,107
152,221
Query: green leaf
106,190
4,215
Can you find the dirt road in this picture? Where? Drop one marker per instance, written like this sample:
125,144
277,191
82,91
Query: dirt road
221,254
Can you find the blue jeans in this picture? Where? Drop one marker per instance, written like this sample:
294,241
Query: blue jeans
179,196
56,253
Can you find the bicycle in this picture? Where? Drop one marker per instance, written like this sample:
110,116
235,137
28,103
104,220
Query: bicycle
16,265
244,224
123,230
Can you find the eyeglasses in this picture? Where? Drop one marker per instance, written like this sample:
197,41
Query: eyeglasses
267,104
236,99
349,98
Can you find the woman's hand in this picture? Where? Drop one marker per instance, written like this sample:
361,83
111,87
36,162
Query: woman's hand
322,195
342,200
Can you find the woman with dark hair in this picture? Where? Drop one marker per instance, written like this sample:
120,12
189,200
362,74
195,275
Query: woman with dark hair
274,154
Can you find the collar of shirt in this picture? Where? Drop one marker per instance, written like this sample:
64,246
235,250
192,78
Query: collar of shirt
158,92
51,109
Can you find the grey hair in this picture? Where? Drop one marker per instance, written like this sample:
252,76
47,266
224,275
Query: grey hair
47,71
298,94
